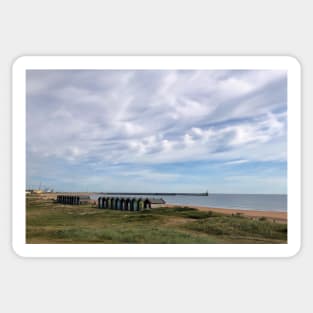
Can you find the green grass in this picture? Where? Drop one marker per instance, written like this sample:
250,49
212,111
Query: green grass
235,227
49,222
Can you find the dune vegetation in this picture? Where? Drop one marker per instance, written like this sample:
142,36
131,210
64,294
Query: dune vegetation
50,222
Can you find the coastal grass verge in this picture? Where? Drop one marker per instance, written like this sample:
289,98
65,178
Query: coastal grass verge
50,222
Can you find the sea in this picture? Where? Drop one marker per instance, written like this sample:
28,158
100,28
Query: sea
259,202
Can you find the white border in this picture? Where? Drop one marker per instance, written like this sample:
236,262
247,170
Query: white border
156,62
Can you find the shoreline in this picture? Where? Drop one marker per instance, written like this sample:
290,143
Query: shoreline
277,216
271,215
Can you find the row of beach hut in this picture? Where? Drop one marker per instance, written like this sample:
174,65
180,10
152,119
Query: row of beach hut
129,204
73,200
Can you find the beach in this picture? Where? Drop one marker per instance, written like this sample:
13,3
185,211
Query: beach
280,217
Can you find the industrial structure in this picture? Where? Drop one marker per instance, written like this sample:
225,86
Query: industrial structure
129,204
73,200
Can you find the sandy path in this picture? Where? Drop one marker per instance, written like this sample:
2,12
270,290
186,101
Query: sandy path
277,216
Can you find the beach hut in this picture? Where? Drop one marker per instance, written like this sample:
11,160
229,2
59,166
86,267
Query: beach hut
108,203
118,204
147,204
104,206
127,204
112,203
101,202
83,199
153,203
123,204
134,204
140,204
74,199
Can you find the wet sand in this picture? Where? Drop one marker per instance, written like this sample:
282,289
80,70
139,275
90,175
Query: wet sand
271,215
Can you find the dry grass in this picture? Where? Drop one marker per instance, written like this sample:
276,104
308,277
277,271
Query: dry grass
49,222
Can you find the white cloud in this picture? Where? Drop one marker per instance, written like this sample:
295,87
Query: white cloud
157,116
236,162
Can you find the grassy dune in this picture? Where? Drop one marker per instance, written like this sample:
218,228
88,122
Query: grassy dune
49,222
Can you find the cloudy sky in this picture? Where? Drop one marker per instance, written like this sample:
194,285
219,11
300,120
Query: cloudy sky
157,130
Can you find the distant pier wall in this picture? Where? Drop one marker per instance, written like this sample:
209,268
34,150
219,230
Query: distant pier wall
155,193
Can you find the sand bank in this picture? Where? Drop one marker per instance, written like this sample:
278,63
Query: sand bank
271,215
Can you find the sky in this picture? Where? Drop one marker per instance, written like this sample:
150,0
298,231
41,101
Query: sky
221,131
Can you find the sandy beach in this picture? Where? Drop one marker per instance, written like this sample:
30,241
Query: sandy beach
271,215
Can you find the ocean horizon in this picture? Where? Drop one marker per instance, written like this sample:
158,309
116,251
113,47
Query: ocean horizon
258,202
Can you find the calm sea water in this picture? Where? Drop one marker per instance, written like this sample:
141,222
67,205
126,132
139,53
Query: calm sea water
230,201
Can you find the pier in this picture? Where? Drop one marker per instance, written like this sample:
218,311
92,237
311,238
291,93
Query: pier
203,194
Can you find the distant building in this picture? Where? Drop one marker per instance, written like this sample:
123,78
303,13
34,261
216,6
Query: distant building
129,204
73,199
